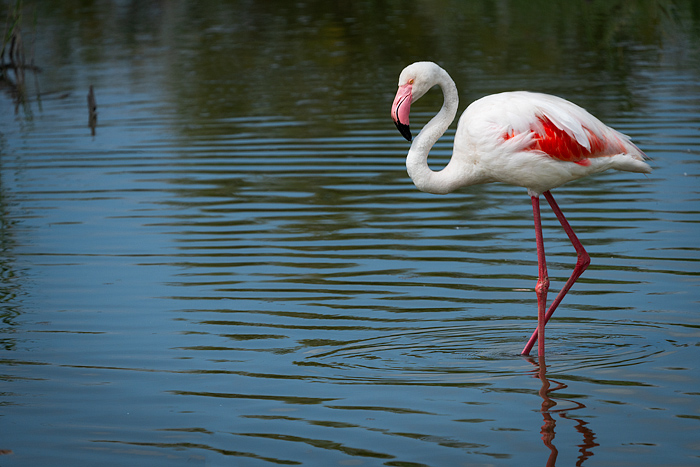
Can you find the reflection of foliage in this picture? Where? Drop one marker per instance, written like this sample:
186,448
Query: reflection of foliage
12,37
359,46
224,58
13,62
544,33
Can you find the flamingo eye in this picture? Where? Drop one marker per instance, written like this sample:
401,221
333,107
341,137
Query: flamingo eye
410,81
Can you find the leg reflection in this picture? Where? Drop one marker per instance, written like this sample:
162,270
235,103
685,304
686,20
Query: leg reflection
547,430
547,409
586,448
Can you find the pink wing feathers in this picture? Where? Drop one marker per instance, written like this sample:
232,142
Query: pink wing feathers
559,128
561,144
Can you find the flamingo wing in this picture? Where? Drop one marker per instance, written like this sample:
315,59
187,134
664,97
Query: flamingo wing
553,126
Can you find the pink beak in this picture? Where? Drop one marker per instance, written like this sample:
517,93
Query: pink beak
401,108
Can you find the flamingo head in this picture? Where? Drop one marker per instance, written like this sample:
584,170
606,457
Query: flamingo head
415,80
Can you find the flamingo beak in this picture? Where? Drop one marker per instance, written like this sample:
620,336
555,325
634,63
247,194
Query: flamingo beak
401,108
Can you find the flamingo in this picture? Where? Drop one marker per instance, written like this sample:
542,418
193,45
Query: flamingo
527,139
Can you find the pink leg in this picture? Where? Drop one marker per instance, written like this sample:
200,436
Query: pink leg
542,280
582,263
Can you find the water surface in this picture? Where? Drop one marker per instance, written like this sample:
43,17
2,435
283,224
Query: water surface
236,270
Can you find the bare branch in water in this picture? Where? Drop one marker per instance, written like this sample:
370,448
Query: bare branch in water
92,110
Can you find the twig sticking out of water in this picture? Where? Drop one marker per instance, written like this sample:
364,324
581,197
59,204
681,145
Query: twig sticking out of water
92,110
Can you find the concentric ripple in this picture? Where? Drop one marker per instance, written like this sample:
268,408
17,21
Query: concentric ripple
475,353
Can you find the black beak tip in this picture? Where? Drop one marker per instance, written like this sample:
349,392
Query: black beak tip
404,130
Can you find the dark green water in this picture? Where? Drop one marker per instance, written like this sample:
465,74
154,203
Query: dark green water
236,270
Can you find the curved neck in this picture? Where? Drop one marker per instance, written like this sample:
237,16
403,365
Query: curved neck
451,177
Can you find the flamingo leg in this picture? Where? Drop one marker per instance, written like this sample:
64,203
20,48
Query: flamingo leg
543,279
582,262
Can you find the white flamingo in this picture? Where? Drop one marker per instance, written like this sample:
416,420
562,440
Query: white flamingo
536,141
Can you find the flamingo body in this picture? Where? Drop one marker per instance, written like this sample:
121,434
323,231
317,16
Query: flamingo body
533,140
540,142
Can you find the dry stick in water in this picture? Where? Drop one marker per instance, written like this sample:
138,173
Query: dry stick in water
92,110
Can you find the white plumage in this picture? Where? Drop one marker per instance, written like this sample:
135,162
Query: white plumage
528,139
536,141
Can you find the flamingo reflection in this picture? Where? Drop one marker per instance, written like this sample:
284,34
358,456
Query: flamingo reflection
547,409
